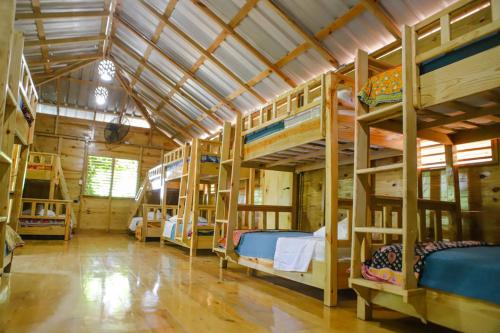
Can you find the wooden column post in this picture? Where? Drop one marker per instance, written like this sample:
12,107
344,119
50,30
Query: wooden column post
409,209
7,14
19,186
331,190
295,201
453,191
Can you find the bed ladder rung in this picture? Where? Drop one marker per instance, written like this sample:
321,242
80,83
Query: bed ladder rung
376,230
222,221
383,168
384,113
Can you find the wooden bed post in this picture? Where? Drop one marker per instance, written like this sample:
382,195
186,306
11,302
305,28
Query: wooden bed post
194,212
19,187
331,190
7,14
360,190
453,189
409,209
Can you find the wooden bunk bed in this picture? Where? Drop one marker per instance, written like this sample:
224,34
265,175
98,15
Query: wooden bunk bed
46,206
455,71
298,131
195,170
145,215
18,100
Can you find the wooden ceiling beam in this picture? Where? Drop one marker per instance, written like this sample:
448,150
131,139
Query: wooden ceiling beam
60,41
60,15
140,105
170,82
63,59
478,134
131,94
470,113
131,53
154,39
40,30
166,118
383,17
316,44
63,71
165,101
322,34
200,49
250,48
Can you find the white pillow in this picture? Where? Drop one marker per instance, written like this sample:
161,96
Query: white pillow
321,232
50,213
151,215
342,230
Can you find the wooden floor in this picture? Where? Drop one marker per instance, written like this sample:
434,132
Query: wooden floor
111,283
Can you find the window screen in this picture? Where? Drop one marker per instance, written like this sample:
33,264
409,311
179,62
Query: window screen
98,175
107,176
125,178
432,153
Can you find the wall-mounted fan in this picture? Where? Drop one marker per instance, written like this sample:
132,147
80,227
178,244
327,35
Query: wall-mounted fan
116,130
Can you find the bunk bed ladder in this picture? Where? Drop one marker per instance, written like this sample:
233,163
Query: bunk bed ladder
138,198
226,208
363,187
183,193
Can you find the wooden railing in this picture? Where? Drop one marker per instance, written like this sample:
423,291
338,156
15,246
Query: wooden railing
41,159
264,210
155,172
155,209
27,89
210,147
304,97
389,205
40,208
444,19
175,155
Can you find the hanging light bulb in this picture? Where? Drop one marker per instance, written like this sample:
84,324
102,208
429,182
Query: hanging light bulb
106,70
101,95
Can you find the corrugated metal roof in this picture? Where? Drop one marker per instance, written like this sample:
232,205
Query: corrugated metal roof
262,28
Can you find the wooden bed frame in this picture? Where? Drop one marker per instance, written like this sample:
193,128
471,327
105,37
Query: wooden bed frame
17,93
47,167
466,79
310,122
62,210
193,174
147,228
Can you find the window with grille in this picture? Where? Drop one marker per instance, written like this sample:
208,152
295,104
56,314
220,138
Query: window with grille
432,153
114,177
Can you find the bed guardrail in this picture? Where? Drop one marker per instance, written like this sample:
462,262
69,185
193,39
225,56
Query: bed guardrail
305,97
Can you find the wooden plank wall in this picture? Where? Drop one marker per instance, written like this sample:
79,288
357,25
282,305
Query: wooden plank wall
72,138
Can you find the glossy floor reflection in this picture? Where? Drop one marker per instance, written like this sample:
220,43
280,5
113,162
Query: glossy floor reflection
111,283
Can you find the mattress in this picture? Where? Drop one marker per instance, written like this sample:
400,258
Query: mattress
134,223
262,244
169,230
470,272
463,52
40,222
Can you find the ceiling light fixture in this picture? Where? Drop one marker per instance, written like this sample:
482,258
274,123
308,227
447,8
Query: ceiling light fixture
101,95
106,70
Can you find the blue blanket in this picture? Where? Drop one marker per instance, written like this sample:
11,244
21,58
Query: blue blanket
263,244
471,272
